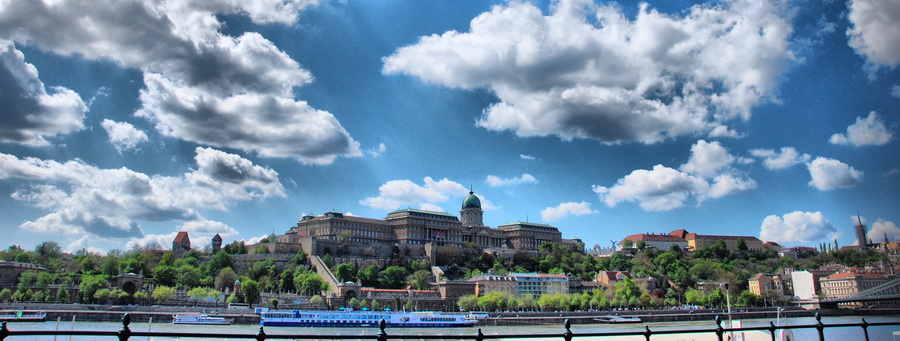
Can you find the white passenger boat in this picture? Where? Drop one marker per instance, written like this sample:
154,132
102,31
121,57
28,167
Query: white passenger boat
303,318
190,318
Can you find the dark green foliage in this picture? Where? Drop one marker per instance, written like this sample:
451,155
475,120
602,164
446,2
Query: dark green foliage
393,277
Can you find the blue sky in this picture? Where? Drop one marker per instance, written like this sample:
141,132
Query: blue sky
126,121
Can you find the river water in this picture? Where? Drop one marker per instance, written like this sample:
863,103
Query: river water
841,334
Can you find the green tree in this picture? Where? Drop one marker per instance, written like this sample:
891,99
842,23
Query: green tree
62,295
354,303
219,261
110,266
198,293
134,262
300,258
89,285
225,279
421,280
627,289
168,259
266,268
393,277
162,294
286,282
5,295
188,276
694,297
375,305
312,285
141,297
368,276
741,244
251,291
164,275
103,296
317,300
345,272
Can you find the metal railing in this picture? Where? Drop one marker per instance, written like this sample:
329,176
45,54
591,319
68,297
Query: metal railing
125,333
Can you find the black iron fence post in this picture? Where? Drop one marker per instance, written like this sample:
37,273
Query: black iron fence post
382,335
719,330
261,335
3,331
568,335
820,327
647,333
479,336
865,327
772,329
125,332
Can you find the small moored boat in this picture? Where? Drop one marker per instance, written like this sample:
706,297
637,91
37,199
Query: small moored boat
617,319
199,319
23,316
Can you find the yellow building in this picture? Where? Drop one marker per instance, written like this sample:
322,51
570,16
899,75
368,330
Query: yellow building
698,241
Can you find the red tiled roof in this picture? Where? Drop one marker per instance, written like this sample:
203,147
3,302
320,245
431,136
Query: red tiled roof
180,237
850,274
652,238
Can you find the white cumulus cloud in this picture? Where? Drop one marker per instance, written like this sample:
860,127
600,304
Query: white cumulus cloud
496,181
828,174
709,173
396,194
787,157
123,135
869,131
551,214
30,112
201,85
797,227
875,31
83,199
589,71
881,229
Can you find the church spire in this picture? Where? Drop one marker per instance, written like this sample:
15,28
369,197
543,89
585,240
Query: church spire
860,233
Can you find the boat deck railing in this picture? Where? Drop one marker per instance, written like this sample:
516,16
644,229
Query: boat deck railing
567,335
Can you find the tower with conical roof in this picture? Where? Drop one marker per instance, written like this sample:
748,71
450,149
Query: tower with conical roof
216,243
860,233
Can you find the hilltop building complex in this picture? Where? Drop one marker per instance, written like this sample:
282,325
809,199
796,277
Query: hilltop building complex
691,241
417,231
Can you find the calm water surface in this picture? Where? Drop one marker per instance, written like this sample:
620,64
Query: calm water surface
840,334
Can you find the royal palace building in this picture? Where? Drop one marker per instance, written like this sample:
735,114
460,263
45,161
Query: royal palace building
413,227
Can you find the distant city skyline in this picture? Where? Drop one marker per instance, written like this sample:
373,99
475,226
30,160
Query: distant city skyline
124,122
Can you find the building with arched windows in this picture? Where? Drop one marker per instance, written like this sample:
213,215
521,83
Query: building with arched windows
412,227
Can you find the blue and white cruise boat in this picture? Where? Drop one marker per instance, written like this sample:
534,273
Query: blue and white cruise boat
304,318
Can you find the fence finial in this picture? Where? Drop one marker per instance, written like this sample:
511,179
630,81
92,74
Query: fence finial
382,335
720,332
261,335
125,332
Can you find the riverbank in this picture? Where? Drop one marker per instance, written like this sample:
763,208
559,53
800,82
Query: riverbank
163,314
647,316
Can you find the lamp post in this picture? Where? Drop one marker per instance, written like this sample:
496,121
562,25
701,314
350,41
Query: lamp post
727,301
728,306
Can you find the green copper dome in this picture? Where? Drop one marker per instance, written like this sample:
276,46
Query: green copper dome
471,201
